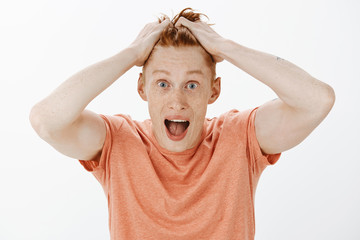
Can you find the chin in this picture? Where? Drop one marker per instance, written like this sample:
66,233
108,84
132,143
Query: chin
176,146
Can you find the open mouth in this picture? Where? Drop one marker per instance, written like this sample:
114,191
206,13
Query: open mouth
176,128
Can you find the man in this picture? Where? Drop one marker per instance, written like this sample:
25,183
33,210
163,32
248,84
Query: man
180,175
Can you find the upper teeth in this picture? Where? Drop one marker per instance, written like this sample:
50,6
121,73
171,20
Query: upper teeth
178,120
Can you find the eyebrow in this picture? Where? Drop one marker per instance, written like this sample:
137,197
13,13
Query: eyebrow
168,73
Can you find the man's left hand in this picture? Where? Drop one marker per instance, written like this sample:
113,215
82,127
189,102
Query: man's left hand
208,38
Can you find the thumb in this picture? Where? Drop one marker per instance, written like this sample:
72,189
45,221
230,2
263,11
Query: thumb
182,22
165,22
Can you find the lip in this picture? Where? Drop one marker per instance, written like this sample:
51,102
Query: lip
176,117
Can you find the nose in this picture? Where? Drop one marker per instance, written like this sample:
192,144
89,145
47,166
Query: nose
177,100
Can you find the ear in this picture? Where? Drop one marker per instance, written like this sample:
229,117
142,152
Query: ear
141,87
215,90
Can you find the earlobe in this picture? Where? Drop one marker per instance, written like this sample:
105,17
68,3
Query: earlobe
141,87
215,89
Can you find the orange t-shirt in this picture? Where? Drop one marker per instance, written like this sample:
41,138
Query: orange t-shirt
206,192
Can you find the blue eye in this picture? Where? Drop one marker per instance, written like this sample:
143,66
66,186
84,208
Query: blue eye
162,84
192,85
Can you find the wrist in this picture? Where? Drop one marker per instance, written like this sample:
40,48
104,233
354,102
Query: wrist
134,55
235,53
226,47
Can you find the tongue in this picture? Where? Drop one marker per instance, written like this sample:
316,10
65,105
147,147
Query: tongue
176,128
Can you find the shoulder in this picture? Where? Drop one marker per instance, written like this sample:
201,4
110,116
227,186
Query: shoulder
231,122
232,116
118,122
239,115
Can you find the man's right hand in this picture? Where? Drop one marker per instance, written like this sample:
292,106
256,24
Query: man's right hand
147,38
61,119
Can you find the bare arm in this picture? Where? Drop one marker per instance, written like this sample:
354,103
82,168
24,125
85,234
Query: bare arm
61,119
303,100
302,104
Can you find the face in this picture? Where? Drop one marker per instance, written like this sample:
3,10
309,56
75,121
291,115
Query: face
177,87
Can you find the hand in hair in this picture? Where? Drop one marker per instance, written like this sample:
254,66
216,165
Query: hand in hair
208,38
147,38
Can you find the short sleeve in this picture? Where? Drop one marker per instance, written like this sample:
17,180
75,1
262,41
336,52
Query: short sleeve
98,164
260,159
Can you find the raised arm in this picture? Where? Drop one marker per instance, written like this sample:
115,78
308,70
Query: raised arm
302,104
61,119
303,100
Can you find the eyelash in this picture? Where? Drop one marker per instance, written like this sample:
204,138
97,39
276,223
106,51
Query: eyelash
191,83
162,83
159,84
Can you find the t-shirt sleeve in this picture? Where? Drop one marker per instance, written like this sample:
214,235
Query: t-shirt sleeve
98,164
259,159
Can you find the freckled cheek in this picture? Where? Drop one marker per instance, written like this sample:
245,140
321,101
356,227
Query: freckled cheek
156,103
199,107
198,100
155,95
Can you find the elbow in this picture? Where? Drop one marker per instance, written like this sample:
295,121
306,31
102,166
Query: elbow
329,98
37,123
325,101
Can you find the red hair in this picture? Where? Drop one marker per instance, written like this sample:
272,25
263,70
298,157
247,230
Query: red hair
177,37
182,37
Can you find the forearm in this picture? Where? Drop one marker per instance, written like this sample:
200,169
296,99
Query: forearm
65,104
294,86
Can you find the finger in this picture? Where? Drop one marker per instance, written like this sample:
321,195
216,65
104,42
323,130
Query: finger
218,59
154,27
183,22
156,24
165,23
160,26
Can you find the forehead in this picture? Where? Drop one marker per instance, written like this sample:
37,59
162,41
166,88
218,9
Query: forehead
171,60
